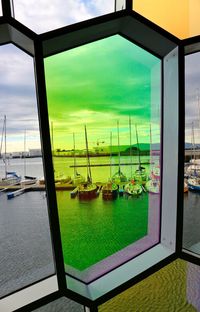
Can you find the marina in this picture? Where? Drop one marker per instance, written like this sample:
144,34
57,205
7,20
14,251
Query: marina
107,222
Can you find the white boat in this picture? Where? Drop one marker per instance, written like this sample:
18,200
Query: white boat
118,177
193,169
11,177
133,188
140,175
153,186
110,189
194,184
28,181
194,165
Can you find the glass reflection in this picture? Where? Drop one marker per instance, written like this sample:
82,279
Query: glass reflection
48,15
104,114
173,288
191,233
25,245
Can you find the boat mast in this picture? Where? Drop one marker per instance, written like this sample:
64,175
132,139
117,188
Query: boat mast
193,141
130,135
89,175
150,144
75,173
110,155
52,143
138,147
24,153
5,161
119,155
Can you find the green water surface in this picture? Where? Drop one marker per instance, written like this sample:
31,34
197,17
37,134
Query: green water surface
94,230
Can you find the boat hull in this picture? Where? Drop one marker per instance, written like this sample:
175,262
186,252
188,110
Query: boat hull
133,189
87,191
109,191
194,185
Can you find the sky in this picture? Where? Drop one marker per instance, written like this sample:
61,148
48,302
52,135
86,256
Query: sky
98,85
192,97
17,86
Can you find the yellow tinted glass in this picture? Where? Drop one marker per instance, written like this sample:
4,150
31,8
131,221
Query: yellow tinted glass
181,17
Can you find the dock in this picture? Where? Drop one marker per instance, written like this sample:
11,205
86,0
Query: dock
13,194
108,164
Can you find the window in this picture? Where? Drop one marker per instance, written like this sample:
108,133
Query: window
120,104
191,235
178,17
26,253
55,14
104,104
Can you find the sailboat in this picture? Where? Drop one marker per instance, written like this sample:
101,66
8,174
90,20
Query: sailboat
78,178
132,187
119,177
87,190
153,184
140,175
194,177
110,189
28,180
10,178
194,168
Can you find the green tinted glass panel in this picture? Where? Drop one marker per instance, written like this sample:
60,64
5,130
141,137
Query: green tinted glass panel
191,233
104,115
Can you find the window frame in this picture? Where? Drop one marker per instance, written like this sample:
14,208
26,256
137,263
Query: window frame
168,47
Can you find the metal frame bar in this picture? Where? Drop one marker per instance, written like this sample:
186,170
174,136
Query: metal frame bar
181,152
6,8
48,165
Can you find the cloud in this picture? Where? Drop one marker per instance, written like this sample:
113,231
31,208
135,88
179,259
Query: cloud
46,15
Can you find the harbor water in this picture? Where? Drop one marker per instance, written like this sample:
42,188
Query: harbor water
25,246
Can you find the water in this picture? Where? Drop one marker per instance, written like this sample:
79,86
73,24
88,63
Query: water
25,247
29,166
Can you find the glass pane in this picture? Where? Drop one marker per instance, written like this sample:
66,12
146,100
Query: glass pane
25,245
120,5
0,9
104,115
181,17
191,233
46,15
173,288
61,305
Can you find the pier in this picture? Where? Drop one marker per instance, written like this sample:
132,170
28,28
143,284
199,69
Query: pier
189,154
108,165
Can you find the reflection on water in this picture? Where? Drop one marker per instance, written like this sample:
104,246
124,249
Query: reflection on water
95,230
191,229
